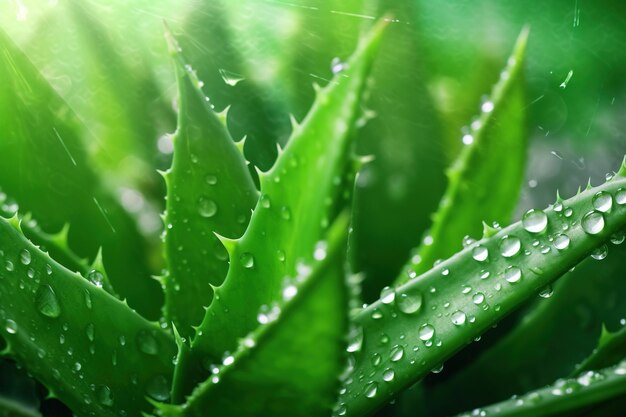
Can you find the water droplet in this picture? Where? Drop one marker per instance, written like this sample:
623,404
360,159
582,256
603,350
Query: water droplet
289,292
535,221
600,252
618,237
104,395
147,342
25,257
90,331
158,388
211,179
10,326
95,277
247,260
546,292
426,332
88,302
355,339
319,254
376,359
46,302
336,66
480,253
620,196
602,201
467,139
593,222
388,375
484,274
458,318
377,314
281,255
512,274
410,301
478,298
387,295
285,213
230,78
561,241
487,107
371,389
206,207
9,266
397,352
265,201
510,246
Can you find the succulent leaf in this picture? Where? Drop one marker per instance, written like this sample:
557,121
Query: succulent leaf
481,187
90,337
565,395
266,375
209,191
299,196
46,169
473,290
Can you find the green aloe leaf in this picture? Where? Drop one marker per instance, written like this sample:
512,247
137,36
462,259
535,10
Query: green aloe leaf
46,169
76,338
209,190
299,197
18,391
611,348
266,375
414,328
484,181
11,408
565,395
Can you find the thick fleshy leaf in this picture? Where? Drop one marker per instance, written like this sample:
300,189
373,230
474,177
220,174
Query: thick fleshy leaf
86,346
300,196
564,397
267,375
209,190
611,348
484,181
45,168
417,326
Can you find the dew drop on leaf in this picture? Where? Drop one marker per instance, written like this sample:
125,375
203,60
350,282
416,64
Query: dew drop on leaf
90,331
620,196
247,260
388,375
458,318
512,274
158,388
10,326
47,302
510,246
355,339
478,298
285,213
95,277
593,222
426,332
206,207
387,295
25,257
104,395
535,221
602,201
480,253
546,292
397,352
147,343
618,237
600,252
561,241
410,301
371,389
376,359
265,201
211,179
9,266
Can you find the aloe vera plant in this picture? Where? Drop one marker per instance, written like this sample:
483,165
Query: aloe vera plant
262,310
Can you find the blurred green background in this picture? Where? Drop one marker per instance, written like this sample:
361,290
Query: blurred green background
108,61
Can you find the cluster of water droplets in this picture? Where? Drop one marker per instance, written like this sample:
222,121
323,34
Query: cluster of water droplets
412,300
